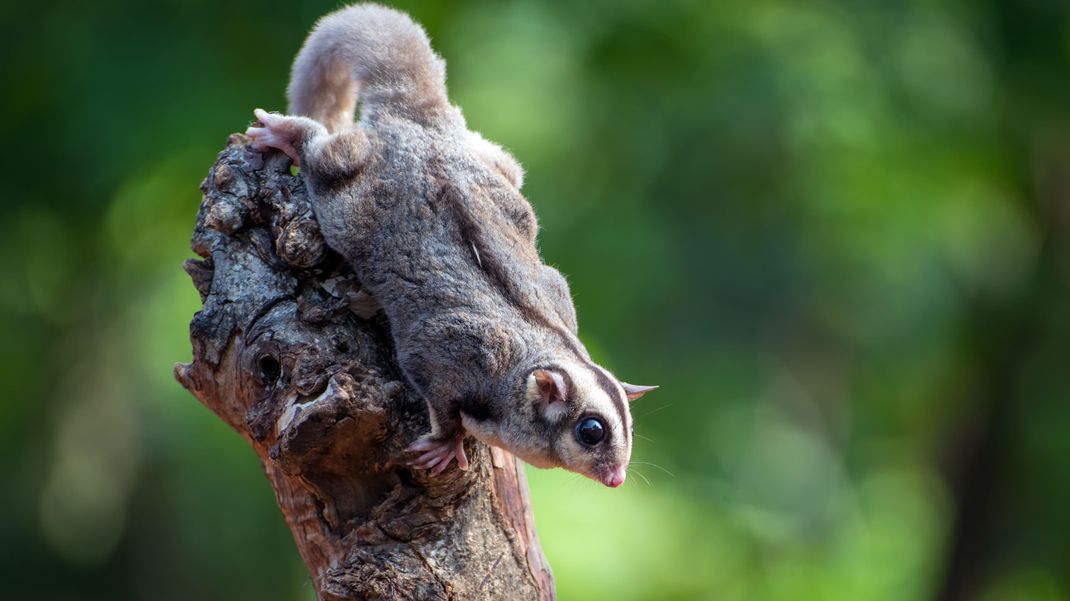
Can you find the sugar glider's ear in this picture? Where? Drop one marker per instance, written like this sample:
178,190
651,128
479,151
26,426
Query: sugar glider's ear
634,391
546,388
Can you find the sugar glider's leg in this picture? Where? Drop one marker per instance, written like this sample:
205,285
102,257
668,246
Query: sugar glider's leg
439,448
310,145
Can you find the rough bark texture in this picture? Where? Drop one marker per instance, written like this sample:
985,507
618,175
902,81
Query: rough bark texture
291,353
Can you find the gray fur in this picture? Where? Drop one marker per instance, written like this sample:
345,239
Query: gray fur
431,218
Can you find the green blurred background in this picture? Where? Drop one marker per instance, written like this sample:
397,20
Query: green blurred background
835,233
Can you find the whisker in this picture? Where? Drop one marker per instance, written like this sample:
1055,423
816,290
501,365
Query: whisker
573,479
654,465
652,412
640,474
646,438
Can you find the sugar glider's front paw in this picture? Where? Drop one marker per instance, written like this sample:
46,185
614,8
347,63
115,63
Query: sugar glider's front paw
438,453
281,132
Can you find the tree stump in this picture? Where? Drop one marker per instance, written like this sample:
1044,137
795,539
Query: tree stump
292,354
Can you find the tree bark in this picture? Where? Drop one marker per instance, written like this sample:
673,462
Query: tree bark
291,353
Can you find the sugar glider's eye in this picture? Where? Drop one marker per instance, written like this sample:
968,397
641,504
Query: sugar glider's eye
590,431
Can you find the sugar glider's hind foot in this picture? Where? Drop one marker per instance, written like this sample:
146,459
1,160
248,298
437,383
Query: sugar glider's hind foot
437,453
287,134
264,139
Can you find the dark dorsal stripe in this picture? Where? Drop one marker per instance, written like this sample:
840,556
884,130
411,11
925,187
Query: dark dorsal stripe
614,392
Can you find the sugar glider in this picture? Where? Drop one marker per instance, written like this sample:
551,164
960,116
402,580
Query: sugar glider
431,218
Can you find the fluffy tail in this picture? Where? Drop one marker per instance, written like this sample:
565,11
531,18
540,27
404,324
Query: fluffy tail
376,51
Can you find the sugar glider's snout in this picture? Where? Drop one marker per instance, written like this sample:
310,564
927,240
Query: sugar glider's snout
614,477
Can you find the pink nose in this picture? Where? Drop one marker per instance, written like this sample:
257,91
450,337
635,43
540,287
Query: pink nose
614,478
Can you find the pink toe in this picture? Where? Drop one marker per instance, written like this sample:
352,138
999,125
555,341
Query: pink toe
441,467
429,455
429,463
263,116
462,459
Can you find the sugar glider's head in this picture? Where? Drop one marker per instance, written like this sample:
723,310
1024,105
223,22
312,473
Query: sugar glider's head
585,411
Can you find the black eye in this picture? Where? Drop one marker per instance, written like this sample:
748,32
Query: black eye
590,431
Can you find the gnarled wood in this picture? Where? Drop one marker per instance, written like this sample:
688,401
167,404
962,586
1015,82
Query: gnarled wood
291,353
